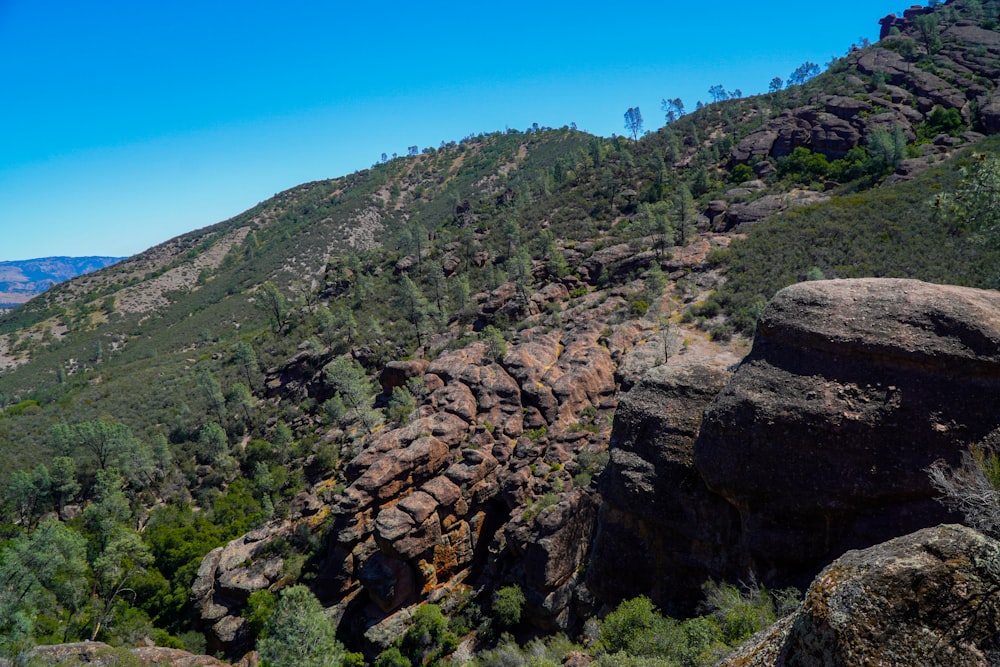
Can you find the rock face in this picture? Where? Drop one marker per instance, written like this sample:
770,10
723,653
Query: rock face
817,443
658,517
428,503
230,574
852,389
929,598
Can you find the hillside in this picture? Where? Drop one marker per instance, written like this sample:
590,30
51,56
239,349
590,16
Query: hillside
403,385
24,279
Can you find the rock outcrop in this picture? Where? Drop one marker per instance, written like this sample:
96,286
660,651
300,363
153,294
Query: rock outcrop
98,654
852,389
818,442
929,598
891,87
661,531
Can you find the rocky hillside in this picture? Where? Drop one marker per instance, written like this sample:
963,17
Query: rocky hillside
22,280
515,364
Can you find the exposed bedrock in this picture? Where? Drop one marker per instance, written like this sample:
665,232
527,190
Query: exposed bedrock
853,387
661,532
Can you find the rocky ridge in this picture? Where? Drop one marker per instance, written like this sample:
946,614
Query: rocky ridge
488,481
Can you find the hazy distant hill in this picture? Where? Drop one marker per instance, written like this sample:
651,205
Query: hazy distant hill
21,280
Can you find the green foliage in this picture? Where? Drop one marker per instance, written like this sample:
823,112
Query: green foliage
507,605
741,613
741,173
259,610
496,344
973,207
890,232
428,638
401,405
354,391
942,121
391,657
886,150
273,302
298,634
636,628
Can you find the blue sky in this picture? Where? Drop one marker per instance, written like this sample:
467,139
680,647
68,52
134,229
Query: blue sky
125,123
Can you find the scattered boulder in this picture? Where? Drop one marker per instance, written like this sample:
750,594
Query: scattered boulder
396,373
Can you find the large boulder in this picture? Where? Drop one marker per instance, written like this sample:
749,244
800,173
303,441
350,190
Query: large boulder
853,388
929,598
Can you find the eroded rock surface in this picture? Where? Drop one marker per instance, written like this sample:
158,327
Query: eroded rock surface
661,531
928,598
852,389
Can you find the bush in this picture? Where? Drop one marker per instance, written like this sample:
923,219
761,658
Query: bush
507,605
636,628
298,633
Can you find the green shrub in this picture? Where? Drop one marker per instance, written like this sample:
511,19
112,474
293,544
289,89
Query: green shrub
635,627
507,605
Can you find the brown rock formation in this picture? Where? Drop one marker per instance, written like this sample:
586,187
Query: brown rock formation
929,598
852,389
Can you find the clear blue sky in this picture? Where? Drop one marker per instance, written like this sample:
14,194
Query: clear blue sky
125,123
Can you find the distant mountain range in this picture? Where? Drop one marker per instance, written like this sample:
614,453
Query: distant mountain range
22,280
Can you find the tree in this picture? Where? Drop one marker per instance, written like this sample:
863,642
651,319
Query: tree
45,571
496,344
673,109
633,122
974,206
109,444
929,28
274,303
401,405
655,281
718,93
213,444
507,605
241,401
65,486
212,391
117,551
637,628
355,391
683,215
972,489
416,309
246,360
520,270
776,85
298,634
803,73
886,150
23,497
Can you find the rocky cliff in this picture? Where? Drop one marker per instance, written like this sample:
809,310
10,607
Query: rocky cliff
817,443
